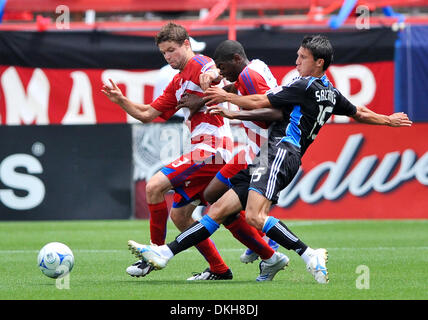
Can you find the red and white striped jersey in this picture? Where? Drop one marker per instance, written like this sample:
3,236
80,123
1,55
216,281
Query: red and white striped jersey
207,132
256,78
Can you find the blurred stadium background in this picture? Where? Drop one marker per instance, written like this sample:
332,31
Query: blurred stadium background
67,153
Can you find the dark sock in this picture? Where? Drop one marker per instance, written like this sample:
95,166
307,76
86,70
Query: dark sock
278,231
196,233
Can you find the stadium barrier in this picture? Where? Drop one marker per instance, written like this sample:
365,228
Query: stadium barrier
65,172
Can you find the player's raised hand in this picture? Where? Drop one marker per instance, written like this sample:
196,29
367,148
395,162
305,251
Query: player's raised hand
113,93
399,119
215,95
208,77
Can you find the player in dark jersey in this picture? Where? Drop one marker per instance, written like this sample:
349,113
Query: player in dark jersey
306,104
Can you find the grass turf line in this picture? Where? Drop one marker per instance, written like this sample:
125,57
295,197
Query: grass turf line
395,252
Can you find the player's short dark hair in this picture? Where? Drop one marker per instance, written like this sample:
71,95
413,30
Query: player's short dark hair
172,32
227,49
320,48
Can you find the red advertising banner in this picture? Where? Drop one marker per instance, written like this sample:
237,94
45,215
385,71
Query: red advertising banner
44,96
360,171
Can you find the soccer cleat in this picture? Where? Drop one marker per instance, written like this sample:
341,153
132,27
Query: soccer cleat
150,254
317,265
269,270
249,256
207,274
139,269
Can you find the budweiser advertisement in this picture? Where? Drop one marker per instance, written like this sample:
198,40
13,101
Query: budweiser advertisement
357,171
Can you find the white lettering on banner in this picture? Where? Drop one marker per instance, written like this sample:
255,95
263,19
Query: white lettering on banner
363,179
342,76
134,82
80,99
30,105
22,181
22,107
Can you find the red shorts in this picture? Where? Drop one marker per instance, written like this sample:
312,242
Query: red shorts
190,175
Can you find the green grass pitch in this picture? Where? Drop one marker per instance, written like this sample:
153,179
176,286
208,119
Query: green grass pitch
393,255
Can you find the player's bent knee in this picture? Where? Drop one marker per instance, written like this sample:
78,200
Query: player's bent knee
152,187
156,188
217,212
253,219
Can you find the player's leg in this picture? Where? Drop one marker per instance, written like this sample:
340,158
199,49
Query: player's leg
216,188
221,182
157,186
189,176
272,174
182,216
197,232
236,224
257,211
218,269
171,176
257,215
249,256
223,212
229,204
219,185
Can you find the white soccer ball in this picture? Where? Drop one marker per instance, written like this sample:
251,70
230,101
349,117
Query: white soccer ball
55,259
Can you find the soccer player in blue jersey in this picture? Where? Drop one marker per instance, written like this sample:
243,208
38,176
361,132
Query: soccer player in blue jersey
306,104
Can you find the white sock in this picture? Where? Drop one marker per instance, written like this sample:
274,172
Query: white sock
306,255
165,251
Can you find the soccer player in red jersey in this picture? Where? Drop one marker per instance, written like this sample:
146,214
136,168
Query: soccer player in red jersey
247,77
211,145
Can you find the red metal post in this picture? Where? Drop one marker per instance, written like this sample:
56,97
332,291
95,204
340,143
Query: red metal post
232,20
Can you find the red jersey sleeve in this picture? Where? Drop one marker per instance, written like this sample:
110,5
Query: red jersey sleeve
166,102
251,82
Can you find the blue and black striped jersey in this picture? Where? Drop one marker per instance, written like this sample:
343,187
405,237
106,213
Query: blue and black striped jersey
307,103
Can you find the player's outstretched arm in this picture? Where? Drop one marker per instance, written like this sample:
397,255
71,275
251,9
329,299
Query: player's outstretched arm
143,112
262,114
216,95
365,115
